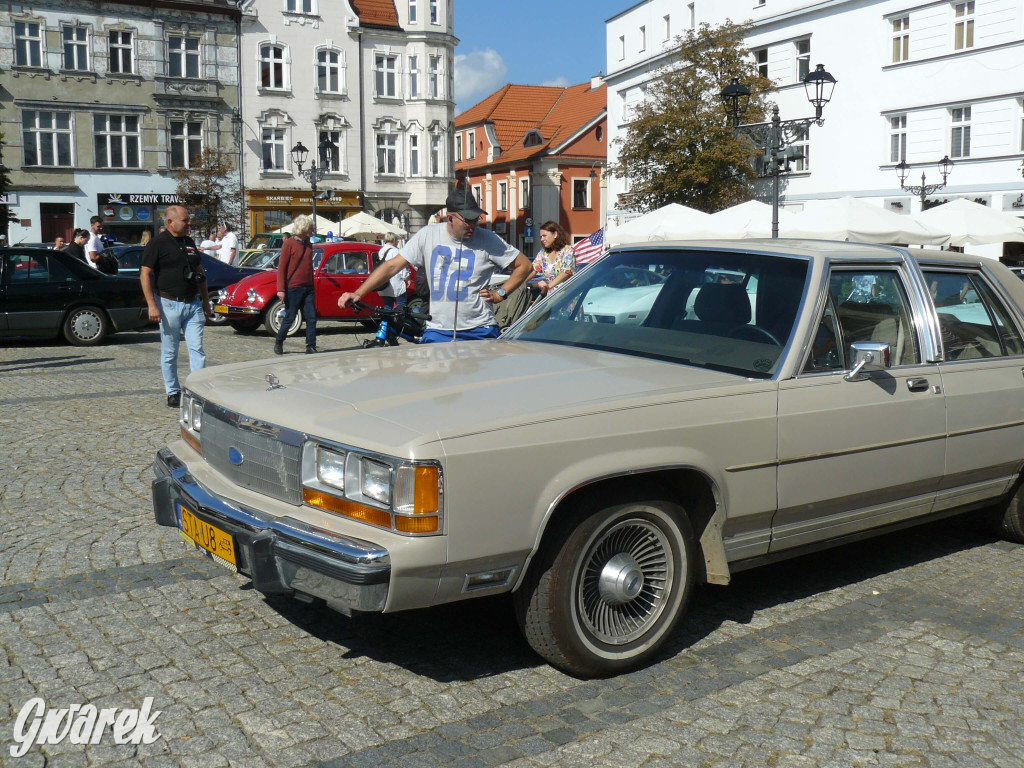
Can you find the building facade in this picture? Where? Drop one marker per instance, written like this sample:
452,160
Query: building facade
103,103
917,81
371,77
532,154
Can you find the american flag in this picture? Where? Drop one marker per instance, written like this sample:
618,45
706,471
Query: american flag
589,249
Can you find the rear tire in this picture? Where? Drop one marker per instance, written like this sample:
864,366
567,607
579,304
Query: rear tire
606,590
85,326
1008,516
274,316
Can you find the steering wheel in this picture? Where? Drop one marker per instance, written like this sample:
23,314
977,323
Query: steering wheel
753,333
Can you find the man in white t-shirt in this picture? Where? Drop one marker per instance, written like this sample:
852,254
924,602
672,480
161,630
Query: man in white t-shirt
457,259
94,247
210,247
228,244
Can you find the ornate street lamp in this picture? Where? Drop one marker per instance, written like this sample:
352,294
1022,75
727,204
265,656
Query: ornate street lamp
775,137
314,173
945,166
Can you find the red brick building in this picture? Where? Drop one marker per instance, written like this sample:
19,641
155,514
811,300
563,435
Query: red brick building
536,153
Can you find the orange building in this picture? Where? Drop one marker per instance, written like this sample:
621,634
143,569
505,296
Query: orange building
534,153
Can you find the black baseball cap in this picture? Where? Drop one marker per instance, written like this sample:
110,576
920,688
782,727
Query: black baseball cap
462,202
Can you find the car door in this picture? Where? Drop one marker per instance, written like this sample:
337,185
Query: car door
341,272
39,290
854,455
983,378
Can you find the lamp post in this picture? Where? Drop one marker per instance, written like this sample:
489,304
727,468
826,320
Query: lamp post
315,172
945,166
776,136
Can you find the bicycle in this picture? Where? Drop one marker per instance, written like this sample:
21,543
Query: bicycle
407,322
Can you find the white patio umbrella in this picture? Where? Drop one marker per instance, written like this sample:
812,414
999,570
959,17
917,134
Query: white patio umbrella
849,218
670,222
971,223
323,226
363,226
750,219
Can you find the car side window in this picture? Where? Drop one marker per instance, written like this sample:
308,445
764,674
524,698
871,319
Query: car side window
355,262
974,322
22,268
863,305
335,264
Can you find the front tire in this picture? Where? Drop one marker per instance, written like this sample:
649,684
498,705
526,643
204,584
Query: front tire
244,326
274,316
85,326
607,590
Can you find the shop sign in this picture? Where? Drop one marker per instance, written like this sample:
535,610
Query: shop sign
1013,203
131,198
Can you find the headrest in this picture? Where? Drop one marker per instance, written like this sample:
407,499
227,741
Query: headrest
723,303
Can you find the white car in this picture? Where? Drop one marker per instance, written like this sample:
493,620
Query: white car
624,298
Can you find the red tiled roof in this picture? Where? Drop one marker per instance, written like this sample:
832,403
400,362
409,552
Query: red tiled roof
378,13
514,110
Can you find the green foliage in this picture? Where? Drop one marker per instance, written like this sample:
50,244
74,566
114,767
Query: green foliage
680,147
209,189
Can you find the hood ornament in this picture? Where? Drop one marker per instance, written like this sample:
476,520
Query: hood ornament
273,381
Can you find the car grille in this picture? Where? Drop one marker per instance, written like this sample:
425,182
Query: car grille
269,465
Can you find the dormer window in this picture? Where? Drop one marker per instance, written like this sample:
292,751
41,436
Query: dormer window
533,138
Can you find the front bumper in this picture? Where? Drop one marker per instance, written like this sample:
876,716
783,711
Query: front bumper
232,312
280,555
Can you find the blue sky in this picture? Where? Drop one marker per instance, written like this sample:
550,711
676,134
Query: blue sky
531,42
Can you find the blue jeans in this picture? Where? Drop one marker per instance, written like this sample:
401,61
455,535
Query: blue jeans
176,316
294,300
434,335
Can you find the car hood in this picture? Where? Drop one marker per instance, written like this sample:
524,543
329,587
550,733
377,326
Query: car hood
386,398
264,281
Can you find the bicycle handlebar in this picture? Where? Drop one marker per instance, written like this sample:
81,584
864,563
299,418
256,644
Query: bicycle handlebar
383,312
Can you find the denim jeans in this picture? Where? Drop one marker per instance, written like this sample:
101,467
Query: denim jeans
176,316
295,299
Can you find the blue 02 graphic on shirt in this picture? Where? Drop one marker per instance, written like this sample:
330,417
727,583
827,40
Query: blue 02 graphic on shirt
450,282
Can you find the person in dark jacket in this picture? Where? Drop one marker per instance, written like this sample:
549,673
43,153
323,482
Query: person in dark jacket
295,284
77,245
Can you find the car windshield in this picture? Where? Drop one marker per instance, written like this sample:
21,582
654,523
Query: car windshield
725,311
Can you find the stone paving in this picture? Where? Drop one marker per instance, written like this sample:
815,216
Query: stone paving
907,650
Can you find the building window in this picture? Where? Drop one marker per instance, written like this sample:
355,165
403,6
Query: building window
435,154
336,138
28,44
301,6
121,52
471,145
622,47
412,11
897,138
328,71
47,138
385,69
524,193
502,195
186,143
900,39
272,66
387,153
801,145
963,25
643,39
76,48
183,56
434,77
117,141
667,22
414,77
960,138
476,194
458,147
435,17
273,149
581,193
803,59
761,59
414,154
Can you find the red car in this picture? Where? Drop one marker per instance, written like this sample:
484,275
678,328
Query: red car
337,268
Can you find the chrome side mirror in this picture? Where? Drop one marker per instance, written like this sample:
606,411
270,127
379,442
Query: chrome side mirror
868,356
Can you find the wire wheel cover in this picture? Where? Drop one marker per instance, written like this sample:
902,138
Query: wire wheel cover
625,581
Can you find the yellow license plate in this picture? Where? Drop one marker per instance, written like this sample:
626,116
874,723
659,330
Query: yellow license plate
218,543
220,309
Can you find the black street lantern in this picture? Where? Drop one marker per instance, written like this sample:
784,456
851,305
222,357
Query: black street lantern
314,173
819,85
945,168
902,170
299,154
922,190
736,99
327,150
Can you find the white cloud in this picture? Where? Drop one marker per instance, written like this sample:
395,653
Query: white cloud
477,75
558,82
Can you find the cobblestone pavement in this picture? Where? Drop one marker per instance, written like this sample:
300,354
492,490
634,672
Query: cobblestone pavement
903,651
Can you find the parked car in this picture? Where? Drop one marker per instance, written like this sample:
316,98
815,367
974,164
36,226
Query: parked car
338,267
47,293
597,471
218,274
260,258
265,240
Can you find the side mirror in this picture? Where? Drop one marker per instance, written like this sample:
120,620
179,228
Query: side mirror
868,356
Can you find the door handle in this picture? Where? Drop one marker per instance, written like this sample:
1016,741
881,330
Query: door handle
917,385
64,289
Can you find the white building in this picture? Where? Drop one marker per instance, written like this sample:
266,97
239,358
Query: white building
916,81
374,77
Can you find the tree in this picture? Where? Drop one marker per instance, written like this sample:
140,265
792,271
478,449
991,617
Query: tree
209,189
5,185
680,147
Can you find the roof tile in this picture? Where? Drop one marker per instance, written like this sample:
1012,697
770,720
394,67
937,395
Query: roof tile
379,13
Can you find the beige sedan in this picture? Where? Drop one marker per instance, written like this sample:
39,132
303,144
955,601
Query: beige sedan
767,398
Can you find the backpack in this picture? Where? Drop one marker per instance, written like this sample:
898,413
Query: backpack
107,264
422,286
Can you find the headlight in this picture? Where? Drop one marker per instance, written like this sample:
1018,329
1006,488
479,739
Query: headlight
197,415
330,467
375,480
222,296
252,295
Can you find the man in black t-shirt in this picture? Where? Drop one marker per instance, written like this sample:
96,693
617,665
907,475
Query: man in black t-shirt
175,286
